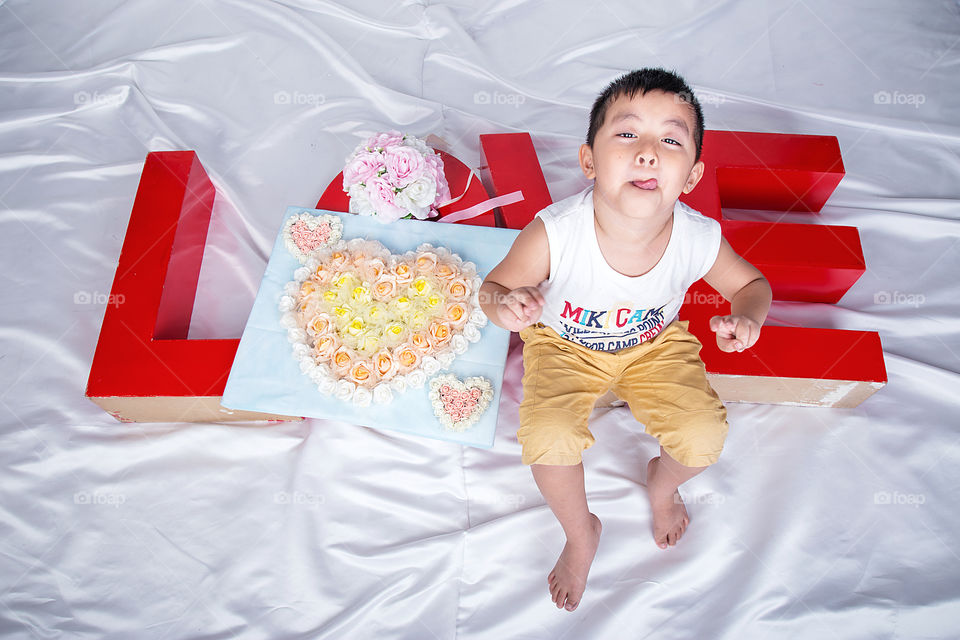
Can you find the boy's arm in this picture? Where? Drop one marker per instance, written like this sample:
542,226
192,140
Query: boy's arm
509,294
749,294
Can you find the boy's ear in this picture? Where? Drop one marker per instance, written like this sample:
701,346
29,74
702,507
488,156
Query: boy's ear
586,161
695,174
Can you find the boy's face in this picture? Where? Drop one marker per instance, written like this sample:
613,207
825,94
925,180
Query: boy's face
644,155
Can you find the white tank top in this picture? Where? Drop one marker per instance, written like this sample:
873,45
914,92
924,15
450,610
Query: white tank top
590,303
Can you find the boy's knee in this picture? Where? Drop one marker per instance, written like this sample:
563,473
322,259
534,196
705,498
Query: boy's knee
550,437
699,441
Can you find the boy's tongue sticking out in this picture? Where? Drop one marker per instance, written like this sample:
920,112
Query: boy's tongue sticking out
646,185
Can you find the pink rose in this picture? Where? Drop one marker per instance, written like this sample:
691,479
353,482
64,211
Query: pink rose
362,168
381,196
435,171
384,140
404,165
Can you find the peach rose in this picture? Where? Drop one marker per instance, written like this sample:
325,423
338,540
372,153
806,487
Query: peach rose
439,334
447,271
385,364
407,357
319,325
421,342
323,273
326,346
308,308
307,288
385,287
336,261
372,269
342,360
404,273
361,373
456,314
458,288
426,262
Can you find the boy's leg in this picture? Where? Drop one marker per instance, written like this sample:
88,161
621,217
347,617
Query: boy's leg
665,384
563,489
670,519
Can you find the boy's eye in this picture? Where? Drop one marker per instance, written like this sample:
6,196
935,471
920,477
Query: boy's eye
626,134
671,141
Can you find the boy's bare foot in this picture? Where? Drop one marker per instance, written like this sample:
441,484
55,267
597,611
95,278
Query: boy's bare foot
670,517
569,576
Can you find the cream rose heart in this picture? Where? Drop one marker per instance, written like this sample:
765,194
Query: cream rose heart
366,323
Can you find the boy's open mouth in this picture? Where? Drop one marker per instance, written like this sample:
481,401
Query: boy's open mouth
648,185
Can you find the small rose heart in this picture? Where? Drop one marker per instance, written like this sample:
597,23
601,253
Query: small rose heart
305,233
459,404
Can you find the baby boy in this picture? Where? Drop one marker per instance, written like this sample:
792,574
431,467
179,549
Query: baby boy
593,284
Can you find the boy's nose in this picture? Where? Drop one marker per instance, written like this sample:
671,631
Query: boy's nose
646,157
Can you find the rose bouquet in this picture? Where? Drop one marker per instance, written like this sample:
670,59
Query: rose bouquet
392,176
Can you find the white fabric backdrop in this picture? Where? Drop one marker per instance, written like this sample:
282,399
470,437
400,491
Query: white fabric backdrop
815,523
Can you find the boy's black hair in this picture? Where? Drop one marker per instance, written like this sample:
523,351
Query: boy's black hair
642,81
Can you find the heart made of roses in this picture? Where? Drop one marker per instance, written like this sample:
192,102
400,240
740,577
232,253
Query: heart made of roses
424,340
460,402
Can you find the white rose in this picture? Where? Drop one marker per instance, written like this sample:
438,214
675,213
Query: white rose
430,365
345,390
291,288
416,379
405,202
399,383
423,191
477,317
327,386
445,358
289,320
307,364
362,397
286,303
359,202
459,344
300,350
296,335
471,333
418,144
382,393
301,274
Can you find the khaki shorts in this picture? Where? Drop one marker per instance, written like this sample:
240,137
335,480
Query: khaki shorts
663,380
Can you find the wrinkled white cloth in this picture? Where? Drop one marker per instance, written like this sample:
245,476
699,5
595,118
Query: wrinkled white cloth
815,523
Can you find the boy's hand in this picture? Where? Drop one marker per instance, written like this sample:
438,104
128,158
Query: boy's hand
735,333
520,308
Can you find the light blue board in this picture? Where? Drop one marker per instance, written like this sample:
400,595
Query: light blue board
266,377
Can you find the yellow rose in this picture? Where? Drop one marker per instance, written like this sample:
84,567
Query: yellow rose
420,286
361,294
